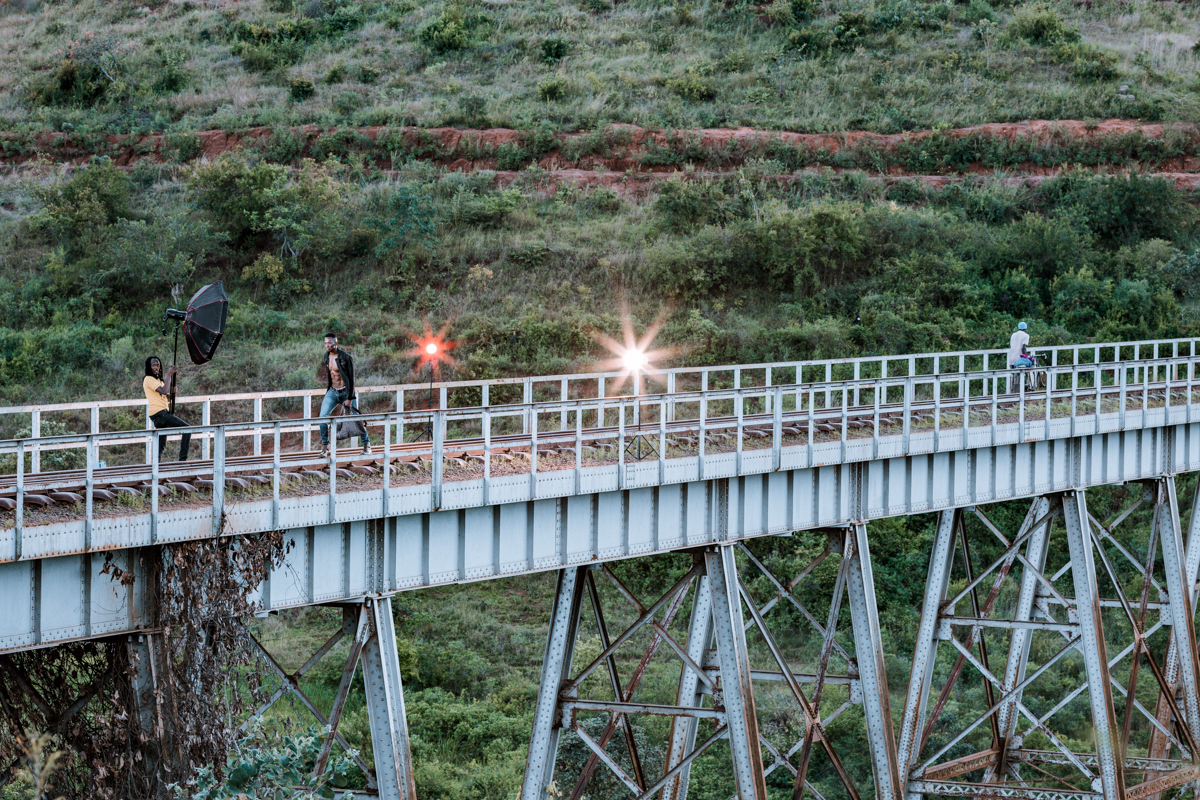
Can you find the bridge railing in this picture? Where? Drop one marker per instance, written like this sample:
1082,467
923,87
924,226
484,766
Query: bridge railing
753,428
267,406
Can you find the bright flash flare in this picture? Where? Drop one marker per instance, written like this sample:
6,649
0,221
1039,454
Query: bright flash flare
431,349
635,360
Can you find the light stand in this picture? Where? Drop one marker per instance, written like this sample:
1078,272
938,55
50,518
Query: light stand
431,349
639,441
178,316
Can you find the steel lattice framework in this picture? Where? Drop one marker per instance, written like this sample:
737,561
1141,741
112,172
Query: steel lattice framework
1052,615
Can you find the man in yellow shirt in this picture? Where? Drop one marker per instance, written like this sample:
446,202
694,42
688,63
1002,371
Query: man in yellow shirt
157,392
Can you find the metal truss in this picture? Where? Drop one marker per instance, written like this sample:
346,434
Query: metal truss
368,625
715,699
1125,611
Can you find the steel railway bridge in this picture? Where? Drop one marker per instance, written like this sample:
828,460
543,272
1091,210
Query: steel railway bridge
571,473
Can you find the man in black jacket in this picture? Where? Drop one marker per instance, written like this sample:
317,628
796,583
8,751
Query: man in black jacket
338,367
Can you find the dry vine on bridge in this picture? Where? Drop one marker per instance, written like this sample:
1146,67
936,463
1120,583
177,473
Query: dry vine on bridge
88,695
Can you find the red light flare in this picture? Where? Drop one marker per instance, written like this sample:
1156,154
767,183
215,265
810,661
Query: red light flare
432,349
635,358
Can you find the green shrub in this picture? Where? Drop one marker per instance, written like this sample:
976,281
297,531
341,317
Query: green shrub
284,145
556,87
336,74
170,75
301,89
803,10
71,84
554,49
367,74
346,103
452,30
1121,209
686,204
906,191
1088,63
270,55
1182,273
909,15
694,84
182,146
339,143
851,27
1039,24
473,107
811,40
236,192
512,156
75,211
663,41
493,207
1034,249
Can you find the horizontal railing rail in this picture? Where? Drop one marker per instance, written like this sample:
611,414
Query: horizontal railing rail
596,385
827,422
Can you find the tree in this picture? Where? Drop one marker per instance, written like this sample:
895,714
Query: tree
165,250
411,221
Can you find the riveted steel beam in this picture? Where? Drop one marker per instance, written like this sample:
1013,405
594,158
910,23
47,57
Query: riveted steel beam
921,677
1092,645
689,694
556,670
868,647
737,694
385,706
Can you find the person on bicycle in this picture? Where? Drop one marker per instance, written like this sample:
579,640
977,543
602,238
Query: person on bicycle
1018,355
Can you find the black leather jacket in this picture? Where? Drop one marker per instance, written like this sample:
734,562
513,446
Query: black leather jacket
345,366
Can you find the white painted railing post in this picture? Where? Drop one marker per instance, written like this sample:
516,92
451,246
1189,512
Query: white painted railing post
276,477
487,455
439,455
218,487
206,419
532,416
387,465
526,399
257,430
19,523
307,412
154,457
89,485
621,478
35,450
777,429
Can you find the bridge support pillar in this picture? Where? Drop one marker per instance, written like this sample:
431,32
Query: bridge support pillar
1160,745
144,658
684,729
921,676
736,690
1092,645
1022,638
556,669
385,706
868,648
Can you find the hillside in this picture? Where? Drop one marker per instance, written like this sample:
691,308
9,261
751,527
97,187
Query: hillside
799,65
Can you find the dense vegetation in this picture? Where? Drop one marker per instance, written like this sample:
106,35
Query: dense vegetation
887,65
747,268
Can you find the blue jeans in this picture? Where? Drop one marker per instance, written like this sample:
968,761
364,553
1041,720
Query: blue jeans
333,398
